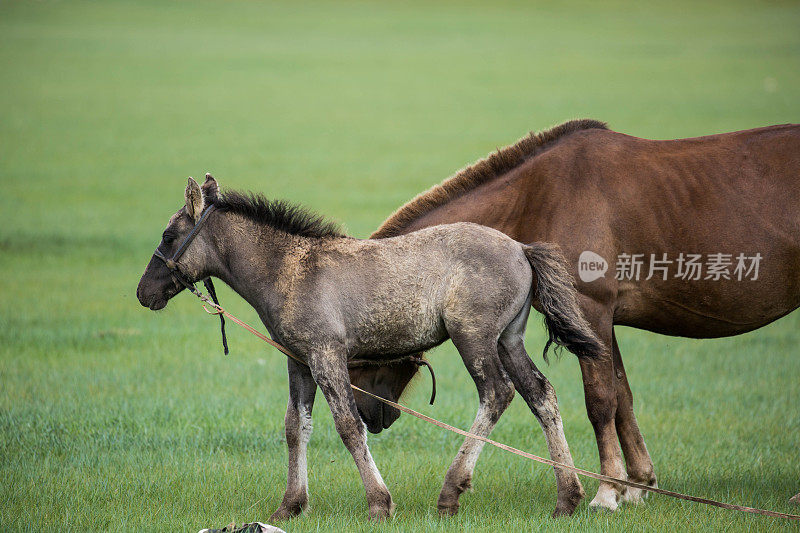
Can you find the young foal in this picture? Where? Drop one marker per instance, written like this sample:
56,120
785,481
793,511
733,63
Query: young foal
329,298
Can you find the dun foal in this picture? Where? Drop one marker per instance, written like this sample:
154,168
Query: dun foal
329,298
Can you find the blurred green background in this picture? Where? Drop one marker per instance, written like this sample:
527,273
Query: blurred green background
116,418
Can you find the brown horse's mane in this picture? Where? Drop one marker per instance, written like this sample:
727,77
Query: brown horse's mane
485,170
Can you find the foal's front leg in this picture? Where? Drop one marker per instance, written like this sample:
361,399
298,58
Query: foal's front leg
329,368
302,391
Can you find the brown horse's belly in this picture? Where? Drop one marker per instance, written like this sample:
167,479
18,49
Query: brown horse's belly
703,311
716,307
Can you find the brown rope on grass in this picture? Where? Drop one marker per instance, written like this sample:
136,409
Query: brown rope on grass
218,310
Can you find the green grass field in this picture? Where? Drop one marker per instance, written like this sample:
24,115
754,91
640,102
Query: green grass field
116,418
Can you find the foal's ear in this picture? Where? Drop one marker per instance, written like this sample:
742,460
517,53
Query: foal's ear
194,199
210,188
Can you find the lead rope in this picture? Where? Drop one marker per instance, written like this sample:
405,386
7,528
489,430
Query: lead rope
213,293
580,471
218,310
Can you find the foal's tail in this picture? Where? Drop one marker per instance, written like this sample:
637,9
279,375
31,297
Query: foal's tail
555,291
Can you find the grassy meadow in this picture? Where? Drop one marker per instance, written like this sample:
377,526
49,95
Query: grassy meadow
114,418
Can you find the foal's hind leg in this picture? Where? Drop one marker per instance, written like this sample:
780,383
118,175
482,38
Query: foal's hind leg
495,392
329,368
302,390
541,398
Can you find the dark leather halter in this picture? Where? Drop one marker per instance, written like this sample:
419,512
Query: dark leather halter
183,279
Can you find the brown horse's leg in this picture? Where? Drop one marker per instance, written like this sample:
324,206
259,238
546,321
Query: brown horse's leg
601,405
495,392
637,459
302,390
329,368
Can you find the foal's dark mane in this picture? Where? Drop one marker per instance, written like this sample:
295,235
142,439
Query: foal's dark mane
278,214
485,170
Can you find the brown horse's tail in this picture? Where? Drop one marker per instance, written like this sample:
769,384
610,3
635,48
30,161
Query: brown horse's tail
555,291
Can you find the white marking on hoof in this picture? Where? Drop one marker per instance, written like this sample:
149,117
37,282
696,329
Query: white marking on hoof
634,496
606,498
637,496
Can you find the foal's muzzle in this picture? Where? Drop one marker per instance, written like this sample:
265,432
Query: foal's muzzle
157,300
157,286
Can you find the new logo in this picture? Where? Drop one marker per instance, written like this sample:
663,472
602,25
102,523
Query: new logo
591,266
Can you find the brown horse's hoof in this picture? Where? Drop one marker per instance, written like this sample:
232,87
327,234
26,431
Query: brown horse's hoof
795,499
606,499
636,496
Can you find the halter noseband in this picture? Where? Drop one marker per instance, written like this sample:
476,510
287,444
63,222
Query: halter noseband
174,267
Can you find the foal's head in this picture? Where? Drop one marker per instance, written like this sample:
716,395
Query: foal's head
158,283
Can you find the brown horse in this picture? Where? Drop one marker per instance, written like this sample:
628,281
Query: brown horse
703,233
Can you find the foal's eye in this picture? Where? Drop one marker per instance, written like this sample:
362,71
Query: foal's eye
168,238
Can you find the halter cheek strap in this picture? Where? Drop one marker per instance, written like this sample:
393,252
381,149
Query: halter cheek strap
178,275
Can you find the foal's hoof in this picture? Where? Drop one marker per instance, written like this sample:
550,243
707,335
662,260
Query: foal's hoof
380,511
566,504
379,514
293,504
285,513
448,510
448,502
566,507
795,499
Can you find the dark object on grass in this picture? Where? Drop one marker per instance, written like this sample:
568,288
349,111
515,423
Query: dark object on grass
253,527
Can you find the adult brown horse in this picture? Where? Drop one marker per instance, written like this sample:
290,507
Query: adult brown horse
725,205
